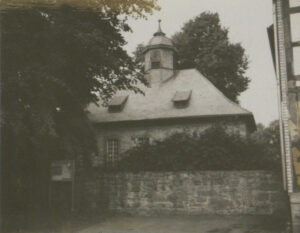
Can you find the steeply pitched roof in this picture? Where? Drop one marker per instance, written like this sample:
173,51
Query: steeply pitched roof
205,101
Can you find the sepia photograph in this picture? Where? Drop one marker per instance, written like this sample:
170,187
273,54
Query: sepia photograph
150,116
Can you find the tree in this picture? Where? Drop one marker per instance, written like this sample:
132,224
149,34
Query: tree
269,138
55,61
203,44
135,8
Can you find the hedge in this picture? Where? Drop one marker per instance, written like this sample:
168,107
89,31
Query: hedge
212,150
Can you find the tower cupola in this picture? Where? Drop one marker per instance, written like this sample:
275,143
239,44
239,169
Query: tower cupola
159,57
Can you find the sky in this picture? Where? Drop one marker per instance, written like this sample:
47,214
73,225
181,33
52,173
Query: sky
247,22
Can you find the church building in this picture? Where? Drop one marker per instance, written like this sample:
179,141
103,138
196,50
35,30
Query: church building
174,101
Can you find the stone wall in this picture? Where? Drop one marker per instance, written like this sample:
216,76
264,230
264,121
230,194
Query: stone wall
192,193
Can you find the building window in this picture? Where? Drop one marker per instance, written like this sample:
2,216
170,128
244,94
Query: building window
295,28
140,140
181,104
296,60
294,3
155,57
112,152
155,65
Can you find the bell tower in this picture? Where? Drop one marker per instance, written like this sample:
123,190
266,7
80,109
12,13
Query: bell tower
159,57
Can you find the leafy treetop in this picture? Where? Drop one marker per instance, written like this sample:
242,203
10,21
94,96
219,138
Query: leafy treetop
135,8
203,43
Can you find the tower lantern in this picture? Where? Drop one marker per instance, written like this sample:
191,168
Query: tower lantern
159,57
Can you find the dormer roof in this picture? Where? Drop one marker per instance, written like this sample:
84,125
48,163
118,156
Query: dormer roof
118,100
182,96
117,103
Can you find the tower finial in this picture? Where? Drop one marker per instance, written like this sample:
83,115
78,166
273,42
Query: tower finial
159,28
159,31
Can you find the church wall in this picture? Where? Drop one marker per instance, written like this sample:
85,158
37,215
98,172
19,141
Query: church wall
126,135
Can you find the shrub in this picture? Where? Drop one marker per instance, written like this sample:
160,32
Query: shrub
212,150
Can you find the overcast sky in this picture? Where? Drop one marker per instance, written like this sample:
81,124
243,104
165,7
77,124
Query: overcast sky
247,22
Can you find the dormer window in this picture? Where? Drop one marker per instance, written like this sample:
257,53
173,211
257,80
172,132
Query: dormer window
155,58
117,103
181,99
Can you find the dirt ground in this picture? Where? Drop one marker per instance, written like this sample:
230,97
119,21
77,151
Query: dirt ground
186,224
